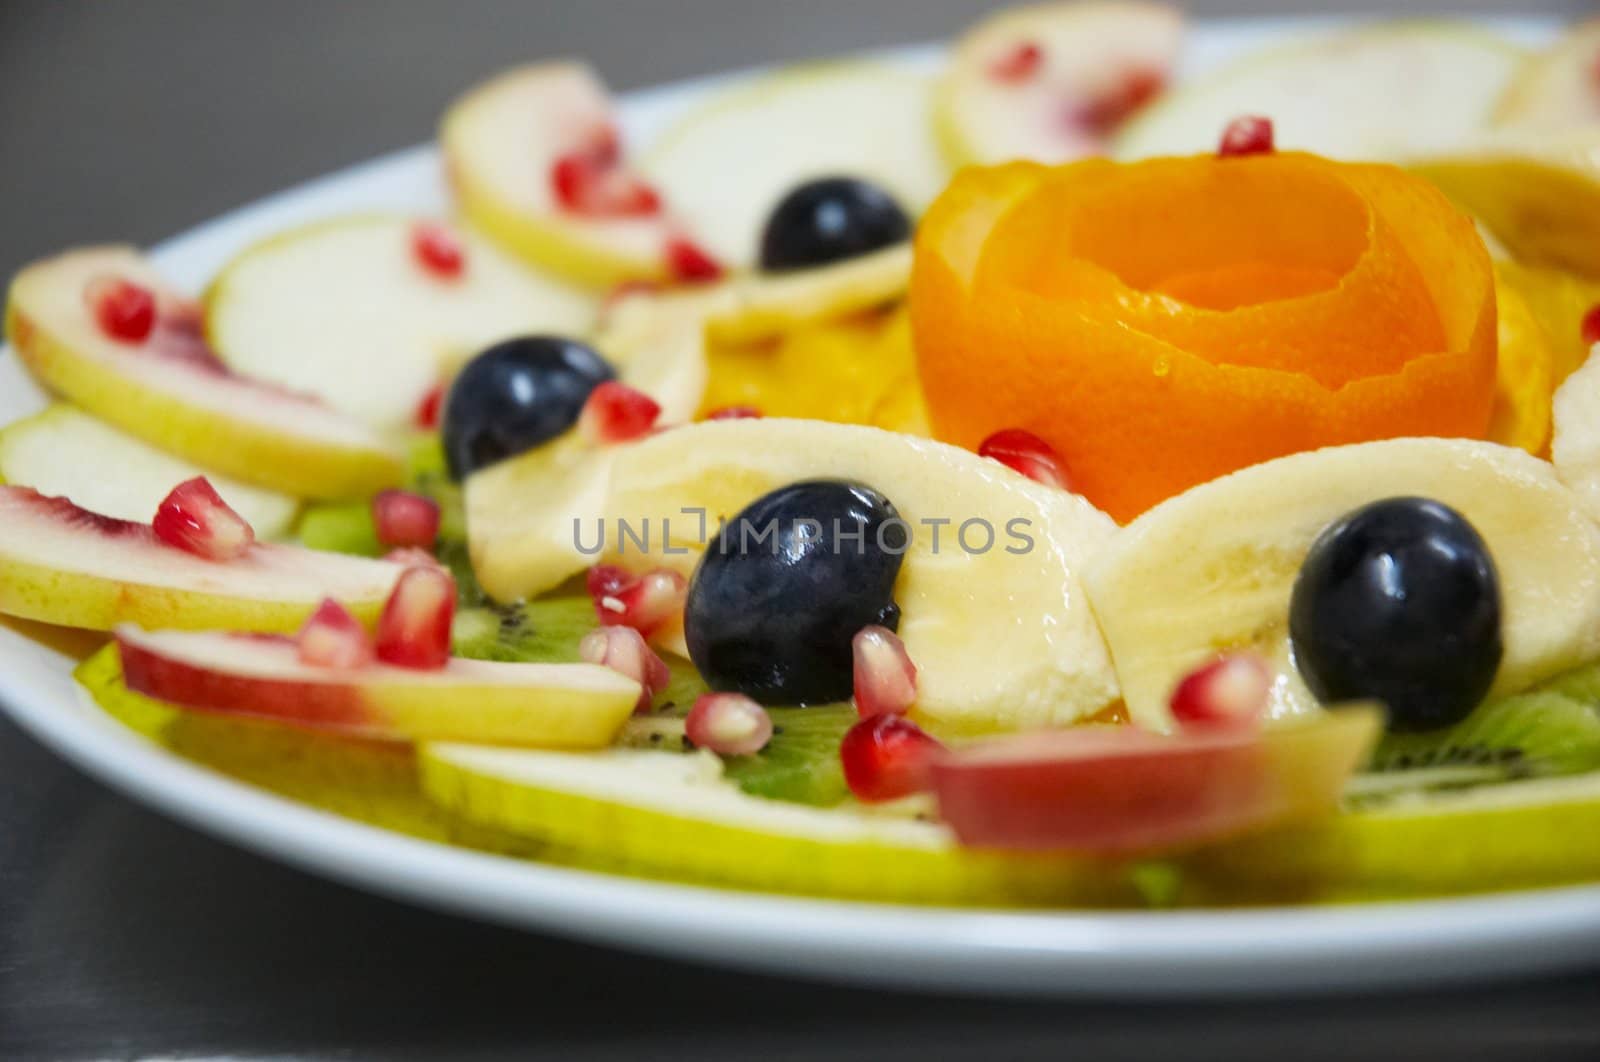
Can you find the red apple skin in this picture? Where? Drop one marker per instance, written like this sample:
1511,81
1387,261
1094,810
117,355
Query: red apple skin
1120,790
322,706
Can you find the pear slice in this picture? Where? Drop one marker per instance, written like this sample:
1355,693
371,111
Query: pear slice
1377,92
65,565
541,705
1558,88
1213,568
1050,81
1538,192
345,310
726,165
524,514
179,400
62,451
999,629
675,815
501,142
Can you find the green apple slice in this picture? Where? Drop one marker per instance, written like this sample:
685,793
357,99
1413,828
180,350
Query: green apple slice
1379,92
1415,842
345,310
180,403
574,706
675,815
501,142
524,515
1557,89
1044,82
999,628
725,166
65,565
65,452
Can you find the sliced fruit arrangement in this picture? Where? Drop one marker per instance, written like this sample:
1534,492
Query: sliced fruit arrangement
64,452
102,329
861,120
1054,82
65,565
1046,663
536,162
1216,569
370,313
1378,92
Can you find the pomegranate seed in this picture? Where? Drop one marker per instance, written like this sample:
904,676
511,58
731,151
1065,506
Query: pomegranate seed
1019,64
414,630
729,724
1023,451
427,415
1247,135
617,413
606,580
734,413
194,518
885,678
646,603
689,264
1590,329
404,519
1235,689
591,183
412,557
1105,113
623,650
124,310
332,637
887,757
438,249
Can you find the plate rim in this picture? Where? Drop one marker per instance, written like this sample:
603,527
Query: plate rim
1256,950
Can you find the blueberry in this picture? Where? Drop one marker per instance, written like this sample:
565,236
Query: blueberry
830,219
1399,602
515,395
786,585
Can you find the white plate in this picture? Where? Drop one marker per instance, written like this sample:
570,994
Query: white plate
1254,951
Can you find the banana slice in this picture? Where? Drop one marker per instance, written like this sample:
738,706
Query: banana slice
671,814
1575,448
992,609
1213,568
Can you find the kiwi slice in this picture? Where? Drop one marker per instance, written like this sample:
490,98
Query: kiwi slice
344,527
1543,733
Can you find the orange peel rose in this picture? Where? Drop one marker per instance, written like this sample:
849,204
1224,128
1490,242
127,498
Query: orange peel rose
1164,323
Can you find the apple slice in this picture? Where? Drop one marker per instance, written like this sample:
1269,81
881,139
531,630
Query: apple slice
65,565
667,813
1378,92
726,165
65,452
541,705
1559,88
1053,82
354,311
504,143
166,388
1123,790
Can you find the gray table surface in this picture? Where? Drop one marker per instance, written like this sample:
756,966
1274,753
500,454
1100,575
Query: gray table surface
124,935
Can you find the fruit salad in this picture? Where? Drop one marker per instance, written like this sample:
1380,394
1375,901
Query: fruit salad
1046,480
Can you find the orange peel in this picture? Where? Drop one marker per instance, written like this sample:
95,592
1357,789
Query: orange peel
1164,323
